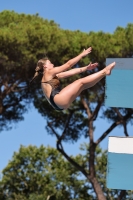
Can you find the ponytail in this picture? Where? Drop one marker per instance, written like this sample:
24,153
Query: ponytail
39,68
35,75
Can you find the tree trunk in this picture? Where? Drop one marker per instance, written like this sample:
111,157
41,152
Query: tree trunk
97,189
92,173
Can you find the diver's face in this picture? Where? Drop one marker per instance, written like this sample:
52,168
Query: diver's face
48,64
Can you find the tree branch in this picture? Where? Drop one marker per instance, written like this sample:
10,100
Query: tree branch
118,113
122,118
61,150
86,107
122,121
96,111
125,129
122,194
11,88
92,116
50,125
108,131
80,168
66,125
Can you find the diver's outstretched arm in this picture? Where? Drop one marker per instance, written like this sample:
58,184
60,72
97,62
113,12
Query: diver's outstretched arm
70,63
77,71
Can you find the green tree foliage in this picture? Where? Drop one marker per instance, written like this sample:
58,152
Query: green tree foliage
42,172
23,40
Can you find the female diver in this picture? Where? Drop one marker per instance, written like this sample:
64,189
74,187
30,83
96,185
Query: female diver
62,98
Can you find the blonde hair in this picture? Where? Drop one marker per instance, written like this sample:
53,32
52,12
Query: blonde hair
39,68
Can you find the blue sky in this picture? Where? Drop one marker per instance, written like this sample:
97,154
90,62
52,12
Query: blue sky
86,16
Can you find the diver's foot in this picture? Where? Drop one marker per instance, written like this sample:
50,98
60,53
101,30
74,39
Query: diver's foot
109,68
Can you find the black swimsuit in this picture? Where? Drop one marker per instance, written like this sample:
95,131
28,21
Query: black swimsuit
56,88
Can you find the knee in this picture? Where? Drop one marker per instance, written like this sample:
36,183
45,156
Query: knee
80,83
